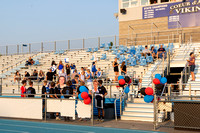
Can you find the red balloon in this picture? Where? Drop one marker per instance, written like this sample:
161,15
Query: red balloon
84,95
87,101
129,82
156,81
122,82
149,91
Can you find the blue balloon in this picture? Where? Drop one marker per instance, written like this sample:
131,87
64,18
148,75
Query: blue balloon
120,77
148,98
158,76
83,89
163,80
127,90
79,96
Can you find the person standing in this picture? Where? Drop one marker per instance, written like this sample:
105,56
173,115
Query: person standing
23,88
192,65
68,69
116,69
123,68
94,70
30,91
100,95
60,67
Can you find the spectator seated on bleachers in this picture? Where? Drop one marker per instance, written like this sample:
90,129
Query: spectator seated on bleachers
34,76
26,76
41,76
103,57
30,61
89,50
17,76
153,52
161,52
146,51
102,45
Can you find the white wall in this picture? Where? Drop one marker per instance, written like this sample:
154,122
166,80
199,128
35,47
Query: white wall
21,108
132,13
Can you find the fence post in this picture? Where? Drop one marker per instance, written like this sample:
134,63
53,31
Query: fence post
68,44
55,46
99,42
83,43
17,49
6,50
155,108
29,45
22,48
92,110
42,47
190,92
115,41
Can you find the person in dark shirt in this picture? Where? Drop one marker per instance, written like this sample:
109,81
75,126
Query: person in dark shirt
68,90
30,90
123,68
34,76
100,95
161,52
49,75
192,65
27,75
44,92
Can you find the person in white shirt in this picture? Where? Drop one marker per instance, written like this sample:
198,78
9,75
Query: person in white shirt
146,51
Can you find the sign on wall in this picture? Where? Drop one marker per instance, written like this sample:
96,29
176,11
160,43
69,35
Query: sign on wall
186,13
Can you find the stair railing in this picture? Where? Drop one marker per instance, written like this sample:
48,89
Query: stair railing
115,104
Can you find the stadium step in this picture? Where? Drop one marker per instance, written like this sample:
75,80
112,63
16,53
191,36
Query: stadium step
138,112
137,118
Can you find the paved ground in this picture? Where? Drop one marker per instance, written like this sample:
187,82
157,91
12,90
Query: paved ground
81,126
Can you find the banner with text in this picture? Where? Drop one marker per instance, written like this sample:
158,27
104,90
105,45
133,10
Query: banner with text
180,14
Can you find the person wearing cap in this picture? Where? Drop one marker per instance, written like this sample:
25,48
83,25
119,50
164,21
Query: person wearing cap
192,65
146,51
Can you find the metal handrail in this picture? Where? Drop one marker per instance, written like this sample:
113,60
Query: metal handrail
115,104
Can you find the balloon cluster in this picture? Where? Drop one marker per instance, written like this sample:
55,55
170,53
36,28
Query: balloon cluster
159,79
148,94
84,95
124,81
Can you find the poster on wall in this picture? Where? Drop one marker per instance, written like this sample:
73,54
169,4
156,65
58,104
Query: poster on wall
180,14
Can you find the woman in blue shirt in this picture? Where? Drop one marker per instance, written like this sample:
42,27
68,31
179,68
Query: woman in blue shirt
60,67
94,70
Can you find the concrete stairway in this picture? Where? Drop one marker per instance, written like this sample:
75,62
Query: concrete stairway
139,111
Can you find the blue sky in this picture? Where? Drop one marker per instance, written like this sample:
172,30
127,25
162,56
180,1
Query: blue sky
24,21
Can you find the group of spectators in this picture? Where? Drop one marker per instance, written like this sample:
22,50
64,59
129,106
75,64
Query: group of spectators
153,52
